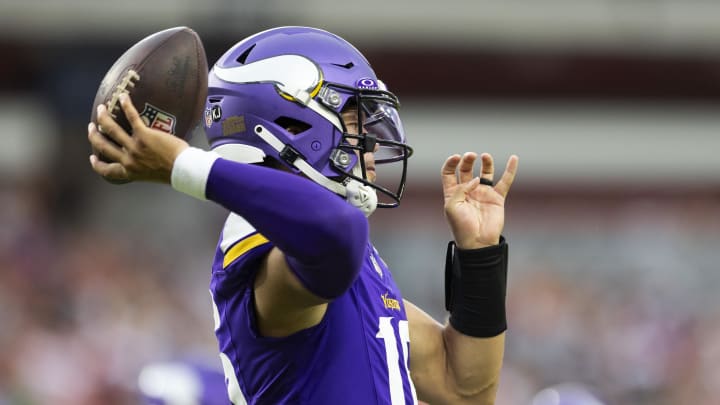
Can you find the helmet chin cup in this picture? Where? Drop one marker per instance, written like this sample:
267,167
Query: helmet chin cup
361,196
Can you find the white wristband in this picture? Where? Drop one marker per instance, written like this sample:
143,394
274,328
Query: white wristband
191,170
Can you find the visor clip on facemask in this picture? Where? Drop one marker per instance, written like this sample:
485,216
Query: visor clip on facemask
369,142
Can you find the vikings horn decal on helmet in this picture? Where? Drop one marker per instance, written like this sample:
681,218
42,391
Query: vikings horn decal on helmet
279,94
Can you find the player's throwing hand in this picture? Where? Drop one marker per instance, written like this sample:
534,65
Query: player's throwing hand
148,154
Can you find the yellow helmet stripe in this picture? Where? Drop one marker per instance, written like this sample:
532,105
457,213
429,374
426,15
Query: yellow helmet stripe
316,90
312,93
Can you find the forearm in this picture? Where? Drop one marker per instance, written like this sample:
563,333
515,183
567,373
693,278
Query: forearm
303,219
474,364
312,226
449,367
474,337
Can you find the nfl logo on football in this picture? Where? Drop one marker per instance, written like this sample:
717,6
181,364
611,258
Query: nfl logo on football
158,119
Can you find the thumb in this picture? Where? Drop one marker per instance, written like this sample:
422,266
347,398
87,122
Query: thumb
460,193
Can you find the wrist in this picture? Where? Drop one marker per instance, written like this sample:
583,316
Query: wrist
191,170
481,253
475,289
476,244
179,148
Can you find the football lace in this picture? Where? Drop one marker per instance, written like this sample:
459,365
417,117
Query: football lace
125,85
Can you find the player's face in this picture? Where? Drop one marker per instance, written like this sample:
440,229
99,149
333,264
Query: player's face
350,118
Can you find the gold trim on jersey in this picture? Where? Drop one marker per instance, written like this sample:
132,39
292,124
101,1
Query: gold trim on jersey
242,247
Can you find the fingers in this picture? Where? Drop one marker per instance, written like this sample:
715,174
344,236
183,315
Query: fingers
459,169
465,170
102,145
111,128
111,171
132,115
503,186
448,172
487,170
460,193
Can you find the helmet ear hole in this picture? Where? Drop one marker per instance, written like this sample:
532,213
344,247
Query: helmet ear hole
292,125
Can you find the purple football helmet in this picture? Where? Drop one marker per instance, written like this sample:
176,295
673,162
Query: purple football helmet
280,94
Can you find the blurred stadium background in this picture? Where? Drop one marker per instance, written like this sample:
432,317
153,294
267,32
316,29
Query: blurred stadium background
612,106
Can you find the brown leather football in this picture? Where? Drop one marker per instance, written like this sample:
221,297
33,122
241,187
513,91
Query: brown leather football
166,75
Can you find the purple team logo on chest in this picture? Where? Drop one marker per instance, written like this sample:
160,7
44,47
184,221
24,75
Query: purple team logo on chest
367,83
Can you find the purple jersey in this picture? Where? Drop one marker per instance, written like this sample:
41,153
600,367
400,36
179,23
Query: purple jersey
358,353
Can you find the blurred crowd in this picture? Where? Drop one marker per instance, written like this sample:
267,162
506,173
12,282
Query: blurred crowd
610,296
82,310
617,338
611,301
86,303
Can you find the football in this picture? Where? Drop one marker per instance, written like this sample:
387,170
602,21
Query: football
166,75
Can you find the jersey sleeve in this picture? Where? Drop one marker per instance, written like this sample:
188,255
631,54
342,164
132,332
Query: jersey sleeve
322,237
240,251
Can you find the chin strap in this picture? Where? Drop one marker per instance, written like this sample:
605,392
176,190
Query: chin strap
355,192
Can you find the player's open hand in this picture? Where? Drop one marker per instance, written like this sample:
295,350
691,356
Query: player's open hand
147,155
474,207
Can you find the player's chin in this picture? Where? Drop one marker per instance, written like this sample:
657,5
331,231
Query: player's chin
371,175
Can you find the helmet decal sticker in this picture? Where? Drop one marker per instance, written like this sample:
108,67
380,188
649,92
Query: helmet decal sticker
367,83
291,74
233,125
208,118
216,113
